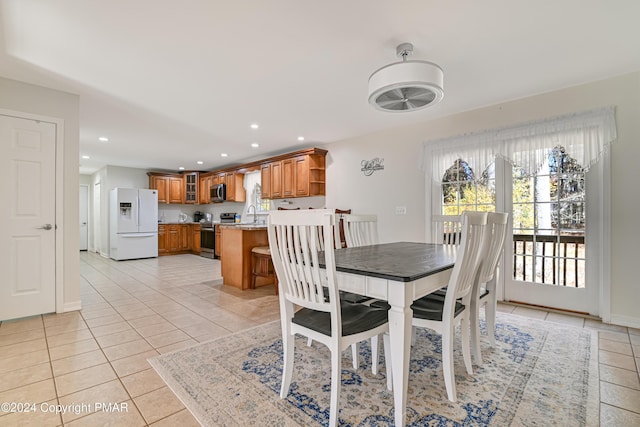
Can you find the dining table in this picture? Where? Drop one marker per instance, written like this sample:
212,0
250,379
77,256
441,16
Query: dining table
399,273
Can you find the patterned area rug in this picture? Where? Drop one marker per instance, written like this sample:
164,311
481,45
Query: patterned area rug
539,374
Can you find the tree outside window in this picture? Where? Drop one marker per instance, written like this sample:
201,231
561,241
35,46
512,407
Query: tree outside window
462,191
549,222
548,214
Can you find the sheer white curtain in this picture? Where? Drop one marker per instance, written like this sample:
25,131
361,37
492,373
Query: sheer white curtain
252,187
585,136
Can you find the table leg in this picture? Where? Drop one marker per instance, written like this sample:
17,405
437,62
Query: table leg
400,315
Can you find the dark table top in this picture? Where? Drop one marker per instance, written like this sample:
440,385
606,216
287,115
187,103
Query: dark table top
398,261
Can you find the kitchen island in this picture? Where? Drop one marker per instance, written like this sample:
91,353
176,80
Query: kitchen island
238,240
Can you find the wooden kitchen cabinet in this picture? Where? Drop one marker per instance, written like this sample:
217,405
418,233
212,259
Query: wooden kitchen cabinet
178,239
265,179
176,190
230,182
309,175
288,178
205,188
162,239
170,187
195,238
191,187
300,174
235,187
160,184
174,238
276,180
185,237
219,178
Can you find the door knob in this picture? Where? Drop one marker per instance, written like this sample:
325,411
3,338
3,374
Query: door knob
45,227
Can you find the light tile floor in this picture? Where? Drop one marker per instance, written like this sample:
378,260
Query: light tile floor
133,310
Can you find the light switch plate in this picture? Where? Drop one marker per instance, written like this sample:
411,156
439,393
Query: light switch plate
401,210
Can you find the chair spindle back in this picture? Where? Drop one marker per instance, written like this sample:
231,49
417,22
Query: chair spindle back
360,230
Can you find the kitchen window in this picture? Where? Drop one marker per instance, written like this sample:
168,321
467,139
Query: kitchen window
254,200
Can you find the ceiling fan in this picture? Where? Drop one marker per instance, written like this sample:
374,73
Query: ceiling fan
408,85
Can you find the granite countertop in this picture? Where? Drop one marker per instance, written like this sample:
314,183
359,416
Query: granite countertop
177,222
246,226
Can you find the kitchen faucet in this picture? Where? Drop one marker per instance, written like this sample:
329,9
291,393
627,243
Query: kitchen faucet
255,216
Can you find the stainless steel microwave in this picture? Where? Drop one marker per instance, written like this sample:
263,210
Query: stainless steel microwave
218,193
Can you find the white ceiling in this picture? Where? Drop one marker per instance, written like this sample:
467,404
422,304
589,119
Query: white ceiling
173,82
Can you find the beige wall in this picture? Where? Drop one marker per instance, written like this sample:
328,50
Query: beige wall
32,99
110,177
401,183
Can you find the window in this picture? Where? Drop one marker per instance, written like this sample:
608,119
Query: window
461,191
253,188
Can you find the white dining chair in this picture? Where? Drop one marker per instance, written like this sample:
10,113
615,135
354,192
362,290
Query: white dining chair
484,288
442,315
346,296
293,241
339,228
360,230
445,229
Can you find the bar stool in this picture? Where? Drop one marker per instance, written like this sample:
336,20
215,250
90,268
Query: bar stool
262,266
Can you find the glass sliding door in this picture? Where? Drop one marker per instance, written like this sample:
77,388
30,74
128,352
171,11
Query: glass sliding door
553,177
548,253
545,260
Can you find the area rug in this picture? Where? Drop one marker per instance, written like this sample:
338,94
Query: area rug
538,374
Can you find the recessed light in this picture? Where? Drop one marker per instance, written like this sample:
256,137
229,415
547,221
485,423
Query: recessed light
86,157
181,168
255,145
103,139
200,162
254,126
223,154
301,138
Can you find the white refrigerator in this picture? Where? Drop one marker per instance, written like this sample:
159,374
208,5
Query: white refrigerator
133,223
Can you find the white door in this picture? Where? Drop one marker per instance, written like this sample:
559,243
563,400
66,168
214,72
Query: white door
97,228
84,217
27,217
552,259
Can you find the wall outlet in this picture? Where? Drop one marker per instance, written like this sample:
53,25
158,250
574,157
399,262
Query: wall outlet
401,210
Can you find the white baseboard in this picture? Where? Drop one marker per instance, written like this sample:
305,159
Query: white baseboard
72,306
632,322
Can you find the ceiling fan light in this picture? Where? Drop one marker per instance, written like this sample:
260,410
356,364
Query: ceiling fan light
406,86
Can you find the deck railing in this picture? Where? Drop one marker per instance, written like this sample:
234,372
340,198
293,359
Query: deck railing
559,260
